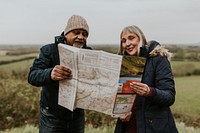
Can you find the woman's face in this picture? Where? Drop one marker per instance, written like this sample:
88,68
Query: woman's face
130,43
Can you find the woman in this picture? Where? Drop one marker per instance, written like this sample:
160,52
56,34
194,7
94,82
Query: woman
155,94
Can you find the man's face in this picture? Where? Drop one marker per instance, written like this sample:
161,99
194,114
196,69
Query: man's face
77,38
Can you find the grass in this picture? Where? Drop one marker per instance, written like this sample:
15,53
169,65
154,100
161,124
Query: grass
186,107
89,129
24,129
187,96
184,129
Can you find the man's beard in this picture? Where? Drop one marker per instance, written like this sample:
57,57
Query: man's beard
78,43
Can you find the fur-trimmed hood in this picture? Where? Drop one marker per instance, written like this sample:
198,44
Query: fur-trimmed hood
153,49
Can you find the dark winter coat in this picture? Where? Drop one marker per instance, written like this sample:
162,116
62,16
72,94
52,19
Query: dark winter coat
153,114
39,75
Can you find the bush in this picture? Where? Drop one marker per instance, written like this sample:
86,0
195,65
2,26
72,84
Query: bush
183,70
196,72
19,102
98,119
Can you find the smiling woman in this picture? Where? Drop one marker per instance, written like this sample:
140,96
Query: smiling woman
155,93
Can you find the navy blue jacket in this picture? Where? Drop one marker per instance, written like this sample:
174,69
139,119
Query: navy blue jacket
153,114
39,75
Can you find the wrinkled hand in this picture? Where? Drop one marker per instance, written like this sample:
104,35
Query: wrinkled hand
140,88
126,117
60,73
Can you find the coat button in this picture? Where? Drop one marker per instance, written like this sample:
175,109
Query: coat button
150,121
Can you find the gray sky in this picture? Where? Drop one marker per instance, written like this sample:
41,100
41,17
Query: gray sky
38,21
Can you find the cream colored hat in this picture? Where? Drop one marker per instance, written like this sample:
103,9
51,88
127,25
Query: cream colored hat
76,22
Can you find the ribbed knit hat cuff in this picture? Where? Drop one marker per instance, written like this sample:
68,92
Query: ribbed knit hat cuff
76,22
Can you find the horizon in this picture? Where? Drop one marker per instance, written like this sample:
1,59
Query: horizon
103,44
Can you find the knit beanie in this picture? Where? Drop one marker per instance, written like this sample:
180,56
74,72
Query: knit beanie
76,22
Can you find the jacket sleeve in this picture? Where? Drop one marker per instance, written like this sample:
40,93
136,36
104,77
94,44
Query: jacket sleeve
40,72
164,91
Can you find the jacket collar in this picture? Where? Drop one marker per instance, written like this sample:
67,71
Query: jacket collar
152,49
145,50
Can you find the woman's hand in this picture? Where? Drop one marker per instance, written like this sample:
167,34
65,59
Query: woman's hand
60,73
126,117
140,88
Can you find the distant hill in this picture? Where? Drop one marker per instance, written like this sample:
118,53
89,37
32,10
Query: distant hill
183,44
112,48
18,46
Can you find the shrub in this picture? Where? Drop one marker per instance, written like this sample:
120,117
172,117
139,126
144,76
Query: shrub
183,69
19,102
196,72
98,119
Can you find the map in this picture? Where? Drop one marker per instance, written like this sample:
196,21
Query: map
95,79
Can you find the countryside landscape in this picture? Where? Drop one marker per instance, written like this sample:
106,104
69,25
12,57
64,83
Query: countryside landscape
19,101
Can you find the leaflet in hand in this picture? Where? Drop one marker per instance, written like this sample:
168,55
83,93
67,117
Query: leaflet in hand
131,70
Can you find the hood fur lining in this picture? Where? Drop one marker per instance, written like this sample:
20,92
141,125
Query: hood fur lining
161,50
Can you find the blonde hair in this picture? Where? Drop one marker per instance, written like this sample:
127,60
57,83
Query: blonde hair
135,30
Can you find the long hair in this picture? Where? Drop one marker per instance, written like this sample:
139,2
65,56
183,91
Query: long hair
134,30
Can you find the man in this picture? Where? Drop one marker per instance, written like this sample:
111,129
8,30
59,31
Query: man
47,72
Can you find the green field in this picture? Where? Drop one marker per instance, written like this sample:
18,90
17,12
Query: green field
187,97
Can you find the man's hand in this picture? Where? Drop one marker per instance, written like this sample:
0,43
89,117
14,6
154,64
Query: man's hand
60,73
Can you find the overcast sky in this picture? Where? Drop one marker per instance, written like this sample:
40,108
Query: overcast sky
38,21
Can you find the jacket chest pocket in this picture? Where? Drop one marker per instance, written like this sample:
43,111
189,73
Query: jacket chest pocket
149,77
156,122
